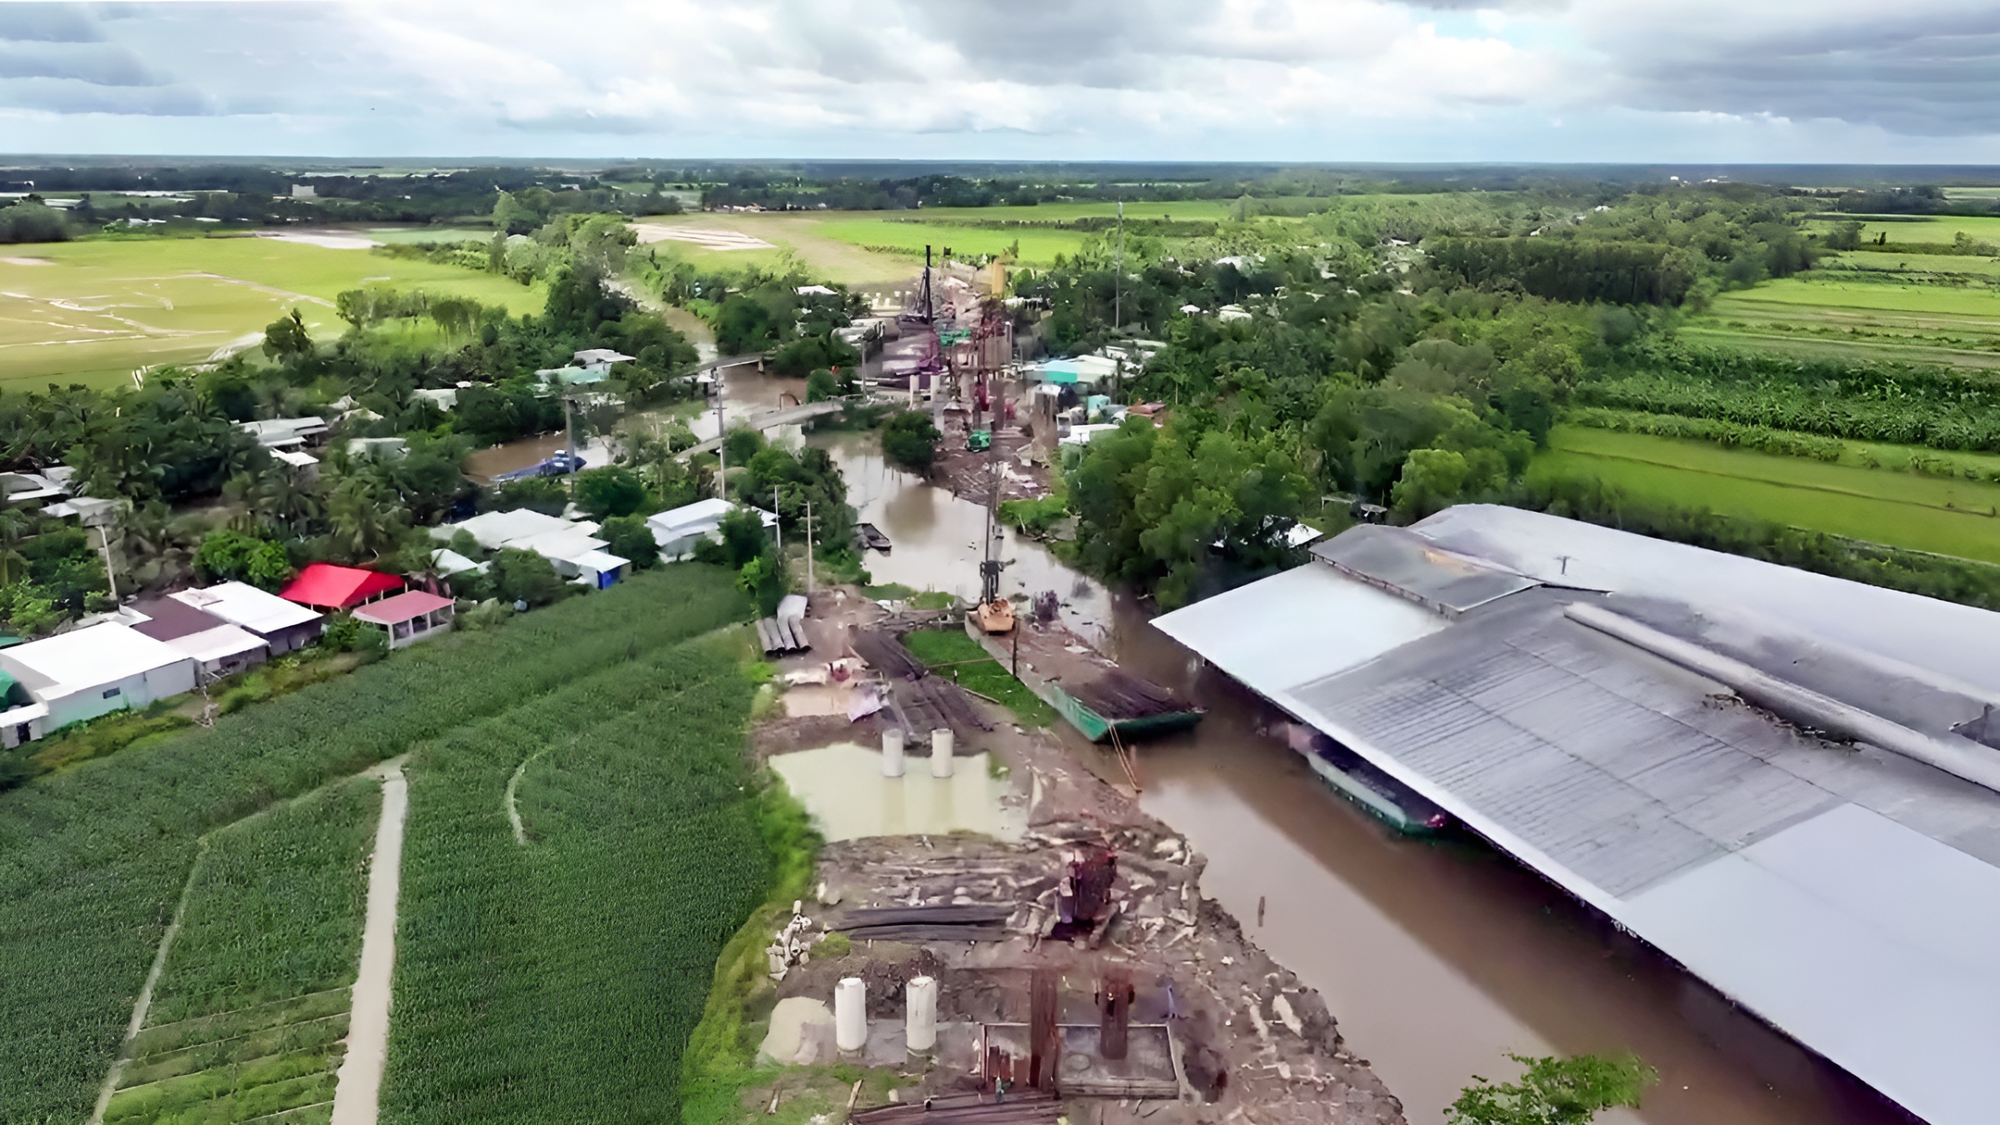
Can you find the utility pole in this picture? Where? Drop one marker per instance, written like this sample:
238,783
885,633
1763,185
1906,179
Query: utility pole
809,547
569,441
721,454
1118,289
104,540
778,526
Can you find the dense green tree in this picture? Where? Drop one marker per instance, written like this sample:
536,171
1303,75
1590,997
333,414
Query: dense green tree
524,576
428,480
744,325
231,556
366,519
286,337
611,491
547,495
1555,1091
741,537
29,220
910,441
629,538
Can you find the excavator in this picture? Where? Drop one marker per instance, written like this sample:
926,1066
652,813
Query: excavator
996,614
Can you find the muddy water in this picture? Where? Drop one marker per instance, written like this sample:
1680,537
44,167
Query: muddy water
843,788
749,393
936,538
1437,957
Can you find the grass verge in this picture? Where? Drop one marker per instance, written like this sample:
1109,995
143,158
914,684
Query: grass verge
720,1065
954,654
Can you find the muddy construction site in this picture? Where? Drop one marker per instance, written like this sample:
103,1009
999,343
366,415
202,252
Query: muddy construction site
1060,963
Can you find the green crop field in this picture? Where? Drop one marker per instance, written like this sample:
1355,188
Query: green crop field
1038,246
556,975
1895,302
250,1014
1951,269
1881,505
95,311
1926,228
94,857
1905,316
878,250
1209,210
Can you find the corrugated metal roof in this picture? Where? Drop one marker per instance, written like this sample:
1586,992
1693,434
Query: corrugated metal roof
241,604
1411,566
1308,622
401,607
325,585
86,658
1943,637
1844,893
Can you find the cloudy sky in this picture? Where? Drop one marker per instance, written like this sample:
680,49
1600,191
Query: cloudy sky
1842,81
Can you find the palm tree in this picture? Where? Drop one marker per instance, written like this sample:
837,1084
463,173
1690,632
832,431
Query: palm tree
157,546
367,518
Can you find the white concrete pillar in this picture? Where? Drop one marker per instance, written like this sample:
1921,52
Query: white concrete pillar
941,752
850,1014
892,752
920,1014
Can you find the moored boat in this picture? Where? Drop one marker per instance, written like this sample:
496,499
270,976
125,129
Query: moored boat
1355,778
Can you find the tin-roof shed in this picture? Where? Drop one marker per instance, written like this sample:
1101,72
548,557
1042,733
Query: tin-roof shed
325,586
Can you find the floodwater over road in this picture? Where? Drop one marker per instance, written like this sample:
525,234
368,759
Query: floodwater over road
1436,957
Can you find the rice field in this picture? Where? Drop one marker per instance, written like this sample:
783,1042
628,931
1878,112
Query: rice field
1925,228
1880,303
884,249
1887,504
95,311
1030,246
1907,316
94,858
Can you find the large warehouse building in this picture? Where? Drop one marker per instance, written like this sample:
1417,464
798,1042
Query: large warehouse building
1787,782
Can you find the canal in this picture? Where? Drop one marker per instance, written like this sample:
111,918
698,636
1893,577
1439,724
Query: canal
1436,957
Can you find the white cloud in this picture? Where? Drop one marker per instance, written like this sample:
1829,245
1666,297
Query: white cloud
1197,79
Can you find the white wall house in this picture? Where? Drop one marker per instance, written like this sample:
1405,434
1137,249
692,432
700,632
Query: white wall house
283,625
677,530
94,671
569,545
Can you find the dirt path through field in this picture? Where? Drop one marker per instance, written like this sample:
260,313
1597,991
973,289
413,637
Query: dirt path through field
145,1003
359,1085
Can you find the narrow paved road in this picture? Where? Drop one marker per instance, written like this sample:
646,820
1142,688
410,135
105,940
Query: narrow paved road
360,1083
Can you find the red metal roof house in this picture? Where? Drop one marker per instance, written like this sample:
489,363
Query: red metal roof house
324,586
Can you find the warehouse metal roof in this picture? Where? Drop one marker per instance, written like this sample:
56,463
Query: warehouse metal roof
1843,892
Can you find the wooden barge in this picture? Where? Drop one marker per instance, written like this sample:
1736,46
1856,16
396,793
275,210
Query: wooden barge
1092,693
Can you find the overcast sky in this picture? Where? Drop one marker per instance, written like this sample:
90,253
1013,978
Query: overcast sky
1839,81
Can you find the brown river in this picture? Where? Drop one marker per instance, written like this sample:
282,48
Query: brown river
1437,957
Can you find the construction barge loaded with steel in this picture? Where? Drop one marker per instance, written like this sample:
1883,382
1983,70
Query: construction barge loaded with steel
1097,697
